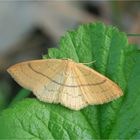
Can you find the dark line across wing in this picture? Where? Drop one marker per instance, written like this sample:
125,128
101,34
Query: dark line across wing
92,84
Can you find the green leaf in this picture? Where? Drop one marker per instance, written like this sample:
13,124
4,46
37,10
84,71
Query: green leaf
116,59
127,123
23,93
32,119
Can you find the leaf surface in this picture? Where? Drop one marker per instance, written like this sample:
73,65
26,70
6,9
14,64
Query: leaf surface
116,59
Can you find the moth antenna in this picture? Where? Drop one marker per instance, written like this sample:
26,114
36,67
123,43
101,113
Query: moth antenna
89,62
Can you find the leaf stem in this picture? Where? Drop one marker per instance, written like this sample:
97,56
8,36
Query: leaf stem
21,95
134,35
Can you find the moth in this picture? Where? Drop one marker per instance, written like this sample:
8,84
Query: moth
64,81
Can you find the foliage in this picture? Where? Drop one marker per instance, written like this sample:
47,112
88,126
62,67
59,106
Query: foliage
115,58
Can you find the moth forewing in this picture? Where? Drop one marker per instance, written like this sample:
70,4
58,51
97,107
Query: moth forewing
66,82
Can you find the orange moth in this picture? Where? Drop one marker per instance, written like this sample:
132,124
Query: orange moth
64,81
